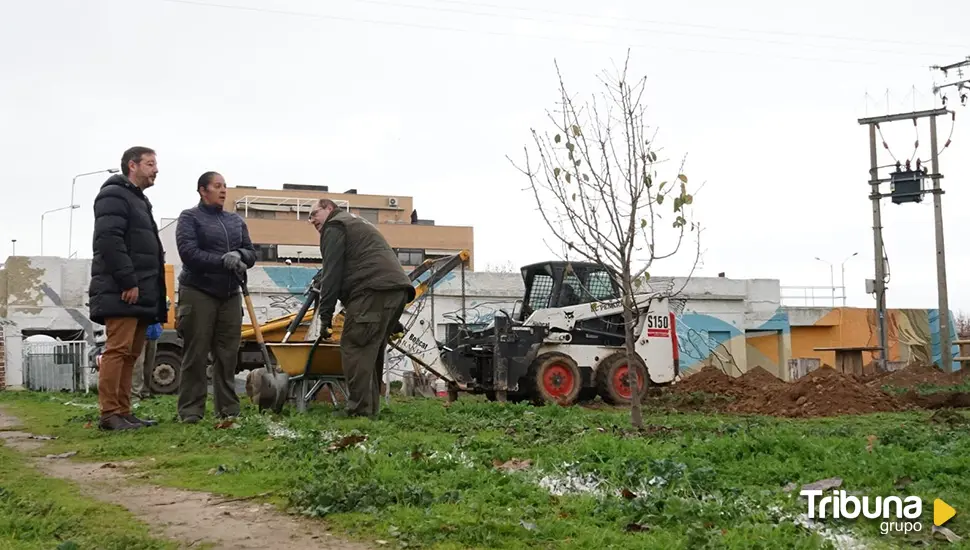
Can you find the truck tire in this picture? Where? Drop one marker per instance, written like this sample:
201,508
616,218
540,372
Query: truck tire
556,379
612,382
167,372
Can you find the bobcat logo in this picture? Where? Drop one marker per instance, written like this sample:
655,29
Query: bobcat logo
569,315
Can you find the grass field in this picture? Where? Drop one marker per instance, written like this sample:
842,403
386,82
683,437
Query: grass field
482,475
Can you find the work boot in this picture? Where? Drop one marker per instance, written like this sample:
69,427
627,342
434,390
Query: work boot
135,420
115,422
191,419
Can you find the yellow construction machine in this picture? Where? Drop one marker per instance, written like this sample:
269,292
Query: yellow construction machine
168,359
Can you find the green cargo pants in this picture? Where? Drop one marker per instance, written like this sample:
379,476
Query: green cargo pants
141,374
368,322
207,324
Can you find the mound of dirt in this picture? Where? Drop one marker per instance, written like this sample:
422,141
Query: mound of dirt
822,392
761,380
939,400
707,380
913,376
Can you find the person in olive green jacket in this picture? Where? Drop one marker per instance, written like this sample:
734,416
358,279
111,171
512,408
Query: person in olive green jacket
362,270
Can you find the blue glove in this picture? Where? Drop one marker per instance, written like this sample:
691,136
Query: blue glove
154,331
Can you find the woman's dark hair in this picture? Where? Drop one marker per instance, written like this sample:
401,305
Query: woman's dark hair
205,180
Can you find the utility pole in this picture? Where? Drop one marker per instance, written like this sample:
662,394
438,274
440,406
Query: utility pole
946,350
907,187
962,86
877,243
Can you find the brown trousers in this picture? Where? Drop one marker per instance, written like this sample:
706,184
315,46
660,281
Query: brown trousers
125,341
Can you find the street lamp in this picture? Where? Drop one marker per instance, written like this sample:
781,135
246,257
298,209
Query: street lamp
831,277
72,207
14,243
853,255
70,250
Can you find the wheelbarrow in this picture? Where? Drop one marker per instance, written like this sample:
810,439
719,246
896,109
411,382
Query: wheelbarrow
311,366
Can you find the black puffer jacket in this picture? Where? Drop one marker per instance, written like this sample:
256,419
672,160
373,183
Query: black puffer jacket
203,235
127,253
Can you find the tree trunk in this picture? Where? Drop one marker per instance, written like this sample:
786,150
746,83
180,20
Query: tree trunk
636,413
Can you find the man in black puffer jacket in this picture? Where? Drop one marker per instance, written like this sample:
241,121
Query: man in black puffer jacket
216,251
127,290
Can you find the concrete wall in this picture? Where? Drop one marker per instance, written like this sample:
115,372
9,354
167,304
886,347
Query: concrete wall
11,356
734,324
166,233
45,294
913,334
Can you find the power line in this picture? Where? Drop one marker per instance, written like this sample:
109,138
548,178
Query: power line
702,26
309,15
633,29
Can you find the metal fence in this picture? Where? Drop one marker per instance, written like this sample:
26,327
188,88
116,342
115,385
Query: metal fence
56,366
813,296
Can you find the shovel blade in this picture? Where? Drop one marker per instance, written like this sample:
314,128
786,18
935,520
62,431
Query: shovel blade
266,389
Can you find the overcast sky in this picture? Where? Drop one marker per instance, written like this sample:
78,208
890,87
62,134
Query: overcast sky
427,97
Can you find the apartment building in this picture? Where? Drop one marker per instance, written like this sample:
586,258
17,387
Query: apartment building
278,223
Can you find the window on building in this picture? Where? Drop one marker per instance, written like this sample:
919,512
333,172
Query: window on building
265,252
369,214
410,256
262,214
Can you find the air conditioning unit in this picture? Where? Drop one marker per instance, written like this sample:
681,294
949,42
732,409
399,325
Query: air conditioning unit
392,202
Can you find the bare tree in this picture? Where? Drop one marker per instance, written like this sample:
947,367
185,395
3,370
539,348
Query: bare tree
598,190
504,267
963,324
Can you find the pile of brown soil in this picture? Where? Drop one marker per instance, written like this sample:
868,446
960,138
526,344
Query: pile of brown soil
823,392
761,380
939,400
913,376
707,380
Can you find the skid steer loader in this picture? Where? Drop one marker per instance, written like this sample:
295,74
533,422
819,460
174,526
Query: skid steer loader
562,343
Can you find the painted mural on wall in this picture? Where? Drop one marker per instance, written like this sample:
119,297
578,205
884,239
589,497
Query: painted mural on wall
913,335
708,340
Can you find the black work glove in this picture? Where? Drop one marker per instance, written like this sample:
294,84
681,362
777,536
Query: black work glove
232,261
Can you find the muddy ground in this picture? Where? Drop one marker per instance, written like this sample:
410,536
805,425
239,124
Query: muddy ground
823,392
193,518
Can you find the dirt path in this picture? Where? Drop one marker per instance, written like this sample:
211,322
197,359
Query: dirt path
189,517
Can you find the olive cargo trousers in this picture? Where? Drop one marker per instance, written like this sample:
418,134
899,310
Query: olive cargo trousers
207,324
141,374
368,321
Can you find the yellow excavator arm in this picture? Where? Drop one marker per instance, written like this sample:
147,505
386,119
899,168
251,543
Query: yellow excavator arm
441,266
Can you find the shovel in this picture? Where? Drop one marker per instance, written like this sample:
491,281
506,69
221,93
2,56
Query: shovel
268,387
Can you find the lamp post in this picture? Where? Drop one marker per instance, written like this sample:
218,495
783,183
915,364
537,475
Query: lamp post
14,243
853,255
72,207
70,250
831,277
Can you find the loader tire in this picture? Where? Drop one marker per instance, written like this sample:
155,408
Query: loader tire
556,379
613,383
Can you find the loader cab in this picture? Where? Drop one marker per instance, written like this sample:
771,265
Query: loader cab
564,284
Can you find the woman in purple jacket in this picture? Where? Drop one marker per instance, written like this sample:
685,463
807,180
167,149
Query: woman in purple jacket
216,252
